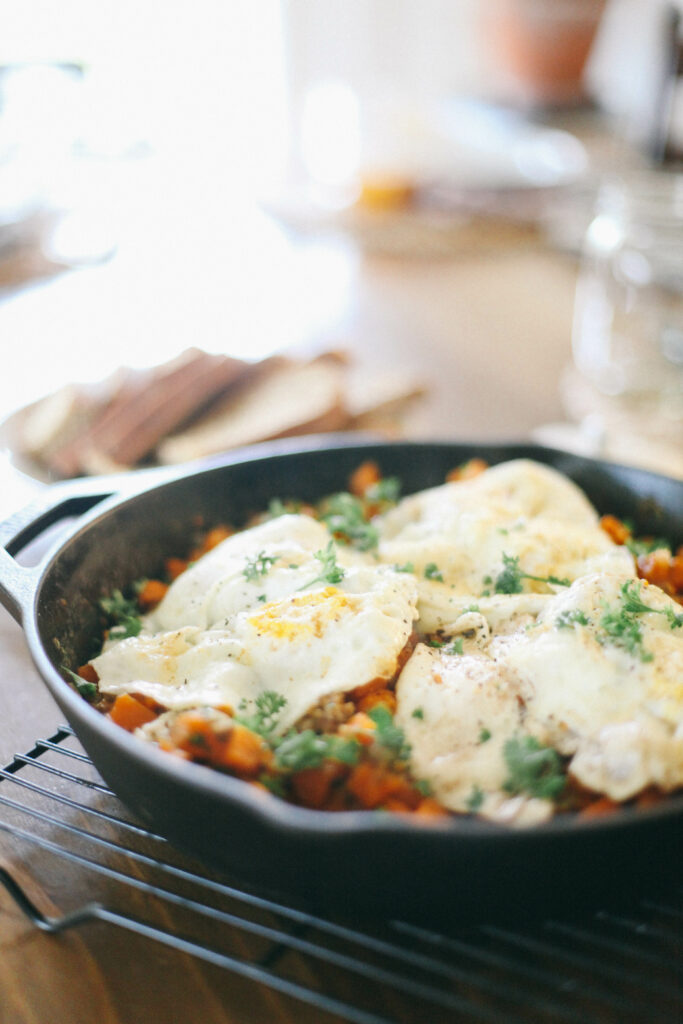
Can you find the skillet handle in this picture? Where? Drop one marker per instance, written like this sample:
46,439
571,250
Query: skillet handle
57,503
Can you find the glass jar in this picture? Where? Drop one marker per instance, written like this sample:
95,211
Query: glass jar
628,323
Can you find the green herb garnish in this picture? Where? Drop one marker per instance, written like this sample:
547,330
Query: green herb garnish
330,571
572,617
484,736
264,720
258,566
634,605
296,750
345,518
407,567
308,749
87,690
386,491
475,800
620,625
432,572
418,713
533,769
274,784
277,507
123,615
509,581
624,631
388,734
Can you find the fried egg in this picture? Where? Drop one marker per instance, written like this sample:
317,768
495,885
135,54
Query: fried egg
457,712
589,677
260,564
614,696
312,641
458,538
518,488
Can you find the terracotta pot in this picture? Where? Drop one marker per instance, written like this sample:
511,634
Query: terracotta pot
543,45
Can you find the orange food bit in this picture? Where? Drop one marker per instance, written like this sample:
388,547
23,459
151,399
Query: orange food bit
599,808
217,536
211,539
676,572
387,698
88,673
360,726
428,807
615,529
190,730
372,785
359,693
152,592
397,806
649,798
654,567
243,752
467,471
364,477
130,713
312,787
174,567
223,743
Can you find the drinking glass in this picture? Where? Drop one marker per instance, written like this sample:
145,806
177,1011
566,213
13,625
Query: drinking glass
628,323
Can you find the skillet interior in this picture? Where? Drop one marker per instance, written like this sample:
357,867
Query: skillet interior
355,863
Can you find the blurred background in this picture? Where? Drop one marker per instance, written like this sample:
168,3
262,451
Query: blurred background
442,219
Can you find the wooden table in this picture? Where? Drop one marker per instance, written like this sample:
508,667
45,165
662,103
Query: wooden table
488,332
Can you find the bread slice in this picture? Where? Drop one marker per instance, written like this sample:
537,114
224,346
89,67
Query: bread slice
293,397
146,408
381,401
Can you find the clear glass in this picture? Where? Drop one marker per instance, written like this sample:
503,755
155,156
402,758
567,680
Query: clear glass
628,324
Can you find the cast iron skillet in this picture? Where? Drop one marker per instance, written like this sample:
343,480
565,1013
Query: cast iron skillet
355,863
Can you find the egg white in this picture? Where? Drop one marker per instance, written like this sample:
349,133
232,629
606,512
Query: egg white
219,584
457,712
309,640
455,538
615,713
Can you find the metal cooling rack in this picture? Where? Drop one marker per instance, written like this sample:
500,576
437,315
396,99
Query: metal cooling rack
608,968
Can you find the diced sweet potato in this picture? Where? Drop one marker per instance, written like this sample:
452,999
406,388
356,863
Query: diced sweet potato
151,593
372,785
312,786
88,673
468,470
365,476
615,529
130,713
387,698
599,808
359,726
174,567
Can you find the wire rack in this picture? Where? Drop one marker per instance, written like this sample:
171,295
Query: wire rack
608,967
